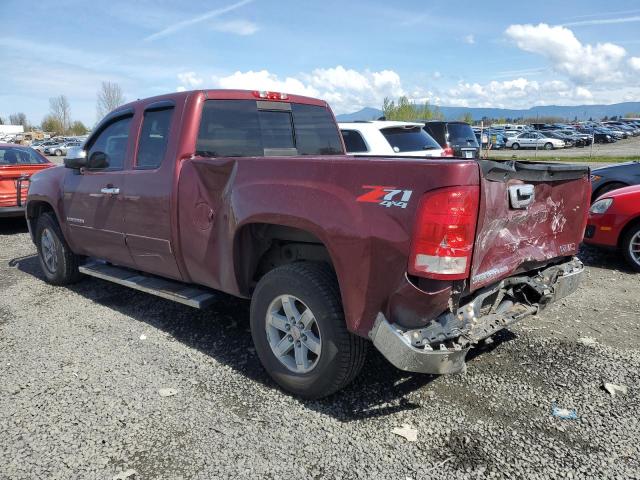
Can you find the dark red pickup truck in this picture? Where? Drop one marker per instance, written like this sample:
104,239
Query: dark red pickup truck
251,193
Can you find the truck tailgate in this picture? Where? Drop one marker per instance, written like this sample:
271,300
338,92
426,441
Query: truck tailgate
530,213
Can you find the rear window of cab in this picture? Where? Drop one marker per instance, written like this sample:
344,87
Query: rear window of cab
250,128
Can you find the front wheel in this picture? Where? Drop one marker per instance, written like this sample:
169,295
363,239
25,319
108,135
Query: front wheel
299,331
515,146
59,264
58,153
631,247
548,146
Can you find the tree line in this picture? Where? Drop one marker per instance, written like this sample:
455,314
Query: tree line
59,122
407,111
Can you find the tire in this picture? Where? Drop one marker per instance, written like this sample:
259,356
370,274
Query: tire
515,146
311,286
548,146
58,153
609,187
631,247
64,269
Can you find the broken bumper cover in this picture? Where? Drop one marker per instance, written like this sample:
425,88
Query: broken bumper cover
441,346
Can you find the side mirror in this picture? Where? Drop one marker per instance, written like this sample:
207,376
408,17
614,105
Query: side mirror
76,158
98,160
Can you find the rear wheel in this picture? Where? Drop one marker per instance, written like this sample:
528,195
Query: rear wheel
631,247
58,153
515,146
548,146
59,264
299,331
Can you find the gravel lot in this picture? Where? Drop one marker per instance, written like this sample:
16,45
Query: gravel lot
82,367
622,148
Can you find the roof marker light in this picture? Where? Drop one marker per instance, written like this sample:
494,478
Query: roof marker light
270,95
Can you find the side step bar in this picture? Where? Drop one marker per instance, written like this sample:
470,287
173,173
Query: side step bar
191,295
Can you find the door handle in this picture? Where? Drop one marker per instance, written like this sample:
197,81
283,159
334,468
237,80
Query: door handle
110,191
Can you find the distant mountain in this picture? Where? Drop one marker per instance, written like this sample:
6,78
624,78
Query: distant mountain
581,112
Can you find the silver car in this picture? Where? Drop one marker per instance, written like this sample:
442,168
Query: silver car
60,149
534,140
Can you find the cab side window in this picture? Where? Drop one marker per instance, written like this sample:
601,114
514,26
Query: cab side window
154,138
112,143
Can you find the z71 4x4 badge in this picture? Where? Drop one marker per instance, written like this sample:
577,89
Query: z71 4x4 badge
386,196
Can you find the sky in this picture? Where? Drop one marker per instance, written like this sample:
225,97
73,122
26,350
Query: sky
351,53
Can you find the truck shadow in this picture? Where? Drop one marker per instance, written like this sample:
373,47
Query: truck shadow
603,258
11,226
222,332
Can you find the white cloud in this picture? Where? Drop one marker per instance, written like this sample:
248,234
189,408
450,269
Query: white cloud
345,89
634,63
189,80
237,27
582,63
264,80
469,39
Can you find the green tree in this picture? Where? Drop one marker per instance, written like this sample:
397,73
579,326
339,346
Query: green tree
467,117
632,115
407,111
51,124
78,128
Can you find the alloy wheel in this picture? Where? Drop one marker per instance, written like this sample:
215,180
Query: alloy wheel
49,252
634,247
293,334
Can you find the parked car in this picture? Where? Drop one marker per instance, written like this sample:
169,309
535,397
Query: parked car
614,222
61,148
568,141
599,136
389,138
456,138
41,147
17,164
251,193
534,140
613,177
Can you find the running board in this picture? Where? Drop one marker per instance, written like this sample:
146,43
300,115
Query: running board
191,295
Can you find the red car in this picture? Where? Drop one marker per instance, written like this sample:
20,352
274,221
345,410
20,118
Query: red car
17,164
614,222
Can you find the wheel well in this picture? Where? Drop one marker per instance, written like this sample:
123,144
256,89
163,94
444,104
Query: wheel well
601,188
34,210
261,247
631,224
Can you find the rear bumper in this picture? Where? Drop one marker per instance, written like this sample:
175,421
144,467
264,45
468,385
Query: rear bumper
11,212
441,346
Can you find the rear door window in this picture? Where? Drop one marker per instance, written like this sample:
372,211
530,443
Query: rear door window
153,138
412,139
353,141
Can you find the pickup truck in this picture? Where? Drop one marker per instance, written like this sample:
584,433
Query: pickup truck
252,194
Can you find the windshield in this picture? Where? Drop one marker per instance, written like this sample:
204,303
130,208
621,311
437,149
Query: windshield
19,156
409,139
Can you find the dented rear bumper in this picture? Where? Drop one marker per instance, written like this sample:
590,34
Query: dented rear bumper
441,346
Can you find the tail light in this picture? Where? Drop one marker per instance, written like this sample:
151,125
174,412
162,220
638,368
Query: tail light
447,152
444,233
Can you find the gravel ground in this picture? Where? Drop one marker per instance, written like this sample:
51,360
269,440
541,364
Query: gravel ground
82,368
622,148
